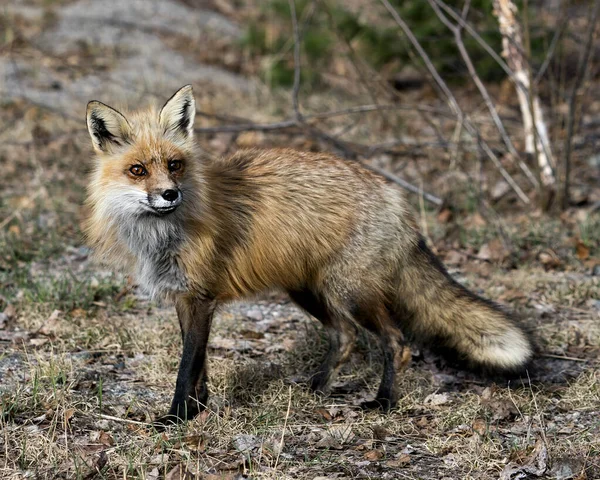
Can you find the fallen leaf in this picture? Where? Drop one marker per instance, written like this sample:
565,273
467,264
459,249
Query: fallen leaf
583,252
403,459
246,443
480,426
380,433
501,409
535,464
436,399
50,325
454,257
329,441
106,439
445,215
252,334
324,413
373,455
153,474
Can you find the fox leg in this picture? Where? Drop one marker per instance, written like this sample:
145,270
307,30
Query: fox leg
191,392
396,354
341,334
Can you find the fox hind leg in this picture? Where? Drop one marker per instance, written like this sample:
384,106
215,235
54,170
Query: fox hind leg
340,331
396,353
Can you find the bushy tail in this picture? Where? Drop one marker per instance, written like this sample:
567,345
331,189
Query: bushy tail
445,316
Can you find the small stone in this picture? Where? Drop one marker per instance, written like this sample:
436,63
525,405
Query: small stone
254,314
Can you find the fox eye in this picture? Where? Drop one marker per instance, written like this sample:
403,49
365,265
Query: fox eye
174,165
138,170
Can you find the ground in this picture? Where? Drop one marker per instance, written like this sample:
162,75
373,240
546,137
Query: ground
86,361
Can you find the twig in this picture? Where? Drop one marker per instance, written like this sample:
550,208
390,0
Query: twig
122,420
553,44
404,184
469,127
248,127
296,88
583,64
563,357
287,415
457,31
343,146
509,72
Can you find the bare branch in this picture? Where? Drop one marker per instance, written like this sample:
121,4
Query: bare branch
457,31
469,127
581,70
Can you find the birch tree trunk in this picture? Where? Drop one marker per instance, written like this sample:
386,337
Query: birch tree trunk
536,139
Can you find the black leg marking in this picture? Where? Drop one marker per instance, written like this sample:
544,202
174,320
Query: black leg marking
191,392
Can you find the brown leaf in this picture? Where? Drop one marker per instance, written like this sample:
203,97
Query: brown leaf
445,215
106,439
78,313
583,252
252,334
324,413
380,433
403,459
480,426
373,455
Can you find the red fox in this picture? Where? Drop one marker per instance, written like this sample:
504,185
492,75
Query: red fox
336,237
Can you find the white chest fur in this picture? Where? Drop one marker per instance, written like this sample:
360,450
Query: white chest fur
155,242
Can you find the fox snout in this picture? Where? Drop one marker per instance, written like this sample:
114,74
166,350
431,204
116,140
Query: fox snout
165,201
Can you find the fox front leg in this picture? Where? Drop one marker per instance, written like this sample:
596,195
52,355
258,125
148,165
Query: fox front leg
191,393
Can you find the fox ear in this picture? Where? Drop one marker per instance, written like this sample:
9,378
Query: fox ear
108,128
177,115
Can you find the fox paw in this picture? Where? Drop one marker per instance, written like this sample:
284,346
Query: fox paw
161,423
382,404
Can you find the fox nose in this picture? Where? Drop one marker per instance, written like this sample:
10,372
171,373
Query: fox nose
170,195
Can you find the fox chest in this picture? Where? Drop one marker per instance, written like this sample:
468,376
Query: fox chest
161,273
156,247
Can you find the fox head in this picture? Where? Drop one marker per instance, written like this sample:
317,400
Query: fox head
144,160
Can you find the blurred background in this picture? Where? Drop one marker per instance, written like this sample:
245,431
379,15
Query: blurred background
435,95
